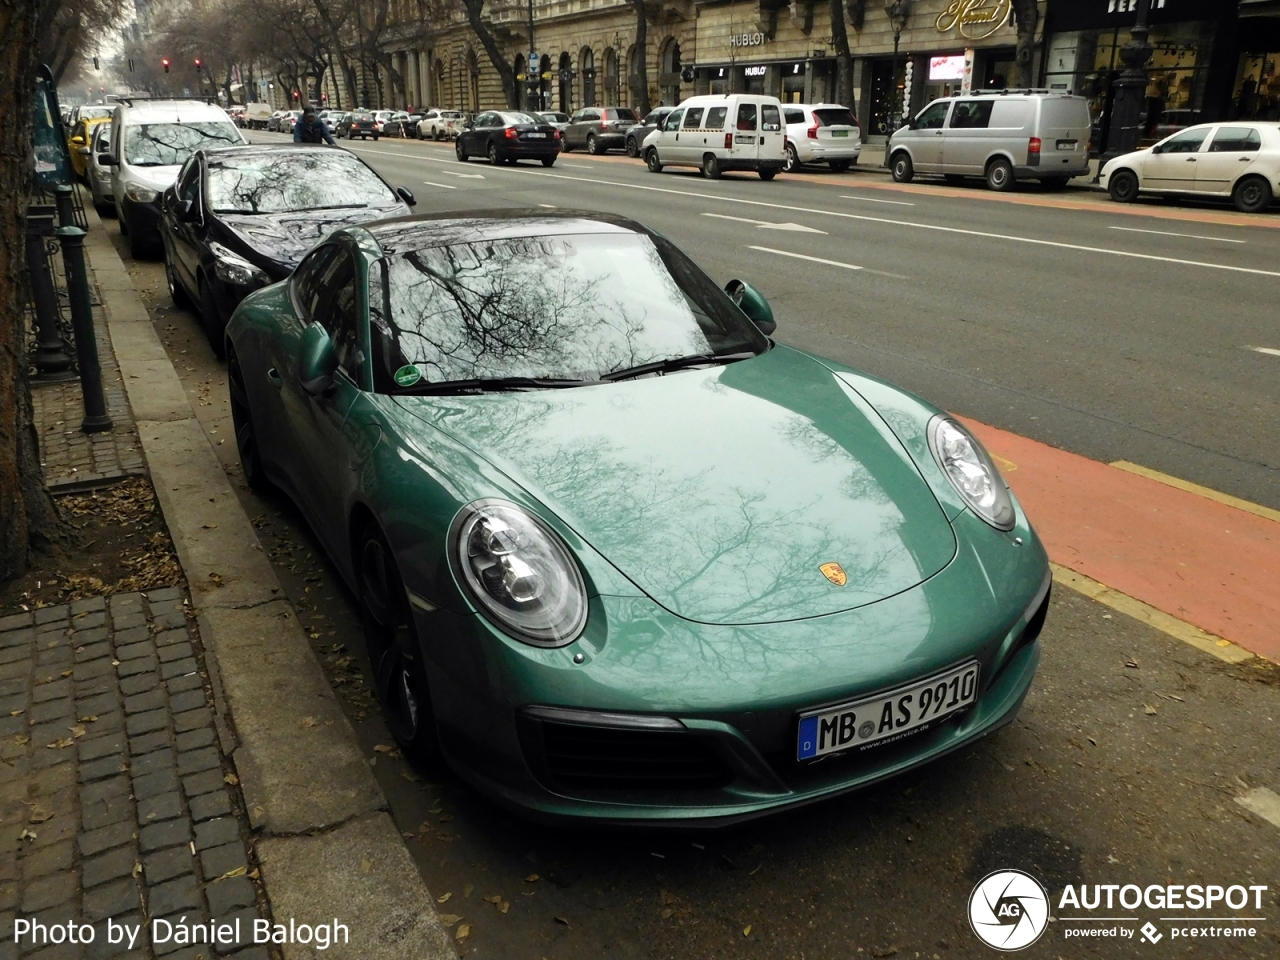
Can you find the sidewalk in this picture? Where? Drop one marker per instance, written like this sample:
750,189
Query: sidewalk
177,754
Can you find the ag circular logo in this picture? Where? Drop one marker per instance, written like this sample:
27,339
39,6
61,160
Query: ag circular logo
1008,910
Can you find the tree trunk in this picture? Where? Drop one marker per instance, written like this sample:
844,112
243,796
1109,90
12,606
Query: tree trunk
641,90
499,59
27,515
844,57
1028,17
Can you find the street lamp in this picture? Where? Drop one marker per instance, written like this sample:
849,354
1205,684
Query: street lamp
1130,90
899,11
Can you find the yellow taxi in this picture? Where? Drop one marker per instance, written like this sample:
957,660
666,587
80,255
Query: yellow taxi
78,143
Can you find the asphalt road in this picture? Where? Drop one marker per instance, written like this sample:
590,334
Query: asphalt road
1126,761
1071,326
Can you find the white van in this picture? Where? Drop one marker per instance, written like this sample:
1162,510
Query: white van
736,131
256,115
1001,135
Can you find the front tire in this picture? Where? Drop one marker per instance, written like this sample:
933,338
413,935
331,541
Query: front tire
902,169
711,166
460,151
1251,195
793,160
633,148
840,166
1000,175
242,423
651,160
548,161
1123,186
768,174
493,154
395,656
176,293
593,145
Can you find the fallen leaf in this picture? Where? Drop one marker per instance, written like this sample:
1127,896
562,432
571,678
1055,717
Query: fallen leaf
408,835
91,718
1174,696
564,921
449,919
503,906
137,869
1149,710
667,913
1131,663
884,952
309,722
210,526
16,713
532,878
466,891
1093,741
231,779
411,777
746,931
66,673
237,872
39,815
215,579
669,898
60,744
446,818
444,898
21,739
27,835
366,866
253,874
464,931
383,748
497,897
76,732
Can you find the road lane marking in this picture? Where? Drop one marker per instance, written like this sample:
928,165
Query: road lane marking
896,203
1207,492
1167,233
885,220
442,186
577,166
1130,606
1269,350
549,206
1263,802
767,225
829,263
465,176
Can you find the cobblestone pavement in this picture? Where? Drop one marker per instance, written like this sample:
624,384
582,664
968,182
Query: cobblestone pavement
69,457
116,801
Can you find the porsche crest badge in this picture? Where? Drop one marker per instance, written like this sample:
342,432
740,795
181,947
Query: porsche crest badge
835,573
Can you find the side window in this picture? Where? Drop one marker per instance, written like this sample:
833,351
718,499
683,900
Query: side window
1236,140
971,114
306,281
337,311
794,116
577,117
932,116
189,180
673,120
746,116
770,120
693,118
715,118
1188,141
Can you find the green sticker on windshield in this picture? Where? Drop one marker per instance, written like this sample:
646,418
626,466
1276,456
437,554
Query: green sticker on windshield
408,375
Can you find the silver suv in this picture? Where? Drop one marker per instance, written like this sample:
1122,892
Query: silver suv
599,128
1001,135
151,140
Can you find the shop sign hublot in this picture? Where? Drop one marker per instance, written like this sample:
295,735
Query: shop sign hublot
974,19
747,40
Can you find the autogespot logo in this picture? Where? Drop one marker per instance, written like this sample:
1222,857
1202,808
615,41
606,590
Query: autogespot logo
1009,910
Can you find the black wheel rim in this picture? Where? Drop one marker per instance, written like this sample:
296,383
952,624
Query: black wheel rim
388,638
1251,195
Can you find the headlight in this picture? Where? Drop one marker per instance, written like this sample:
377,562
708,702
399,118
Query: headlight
969,468
235,270
520,573
138,193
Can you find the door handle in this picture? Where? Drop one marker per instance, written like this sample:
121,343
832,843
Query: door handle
1243,159
274,376
1191,159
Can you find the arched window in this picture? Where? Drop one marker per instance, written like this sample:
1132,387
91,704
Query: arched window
439,95
588,71
566,83
612,94
670,70
633,76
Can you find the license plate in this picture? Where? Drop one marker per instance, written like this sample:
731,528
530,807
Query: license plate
839,133
886,716
1066,144
536,136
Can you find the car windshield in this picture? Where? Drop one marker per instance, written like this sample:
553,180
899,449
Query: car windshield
547,307
619,113
288,181
170,144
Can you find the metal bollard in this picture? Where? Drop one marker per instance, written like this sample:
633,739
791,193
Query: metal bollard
95,403
50,360
62,196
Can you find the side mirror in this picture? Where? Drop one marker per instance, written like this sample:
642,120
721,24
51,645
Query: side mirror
912,124
404,194
468,124
1158,148
107,160
83,151
77,139
750,302
318,362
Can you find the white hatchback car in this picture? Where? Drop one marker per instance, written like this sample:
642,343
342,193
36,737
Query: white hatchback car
821,133
1239,159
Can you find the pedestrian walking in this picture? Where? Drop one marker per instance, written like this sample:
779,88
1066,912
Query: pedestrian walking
311,129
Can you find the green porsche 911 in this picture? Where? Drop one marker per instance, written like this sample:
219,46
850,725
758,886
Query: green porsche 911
620,555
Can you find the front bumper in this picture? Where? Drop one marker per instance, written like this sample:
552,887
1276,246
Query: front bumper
727,697
142,219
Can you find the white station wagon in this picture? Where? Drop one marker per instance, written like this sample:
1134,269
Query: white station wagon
1239,159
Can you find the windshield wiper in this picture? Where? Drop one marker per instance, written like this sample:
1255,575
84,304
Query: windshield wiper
491,384
676,363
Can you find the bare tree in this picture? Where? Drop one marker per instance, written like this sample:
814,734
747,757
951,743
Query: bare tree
641,76
28,519
64,28
1027,13
484,33
844,56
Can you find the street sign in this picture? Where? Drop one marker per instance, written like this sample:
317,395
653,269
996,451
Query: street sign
533,63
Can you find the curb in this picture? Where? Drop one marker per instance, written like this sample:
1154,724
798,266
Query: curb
327,845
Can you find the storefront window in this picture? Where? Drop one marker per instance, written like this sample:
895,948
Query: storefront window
883,89
1256,95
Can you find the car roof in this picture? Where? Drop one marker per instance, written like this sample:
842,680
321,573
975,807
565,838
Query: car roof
420,231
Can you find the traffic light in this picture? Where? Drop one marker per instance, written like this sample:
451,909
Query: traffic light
164,62
197,63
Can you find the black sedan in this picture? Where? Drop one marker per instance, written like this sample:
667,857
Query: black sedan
241,218
357,124
506,136
636,134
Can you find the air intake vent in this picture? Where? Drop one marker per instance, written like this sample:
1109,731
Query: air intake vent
582,757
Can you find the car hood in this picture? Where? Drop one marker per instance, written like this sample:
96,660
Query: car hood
280,240
721,492
156,178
